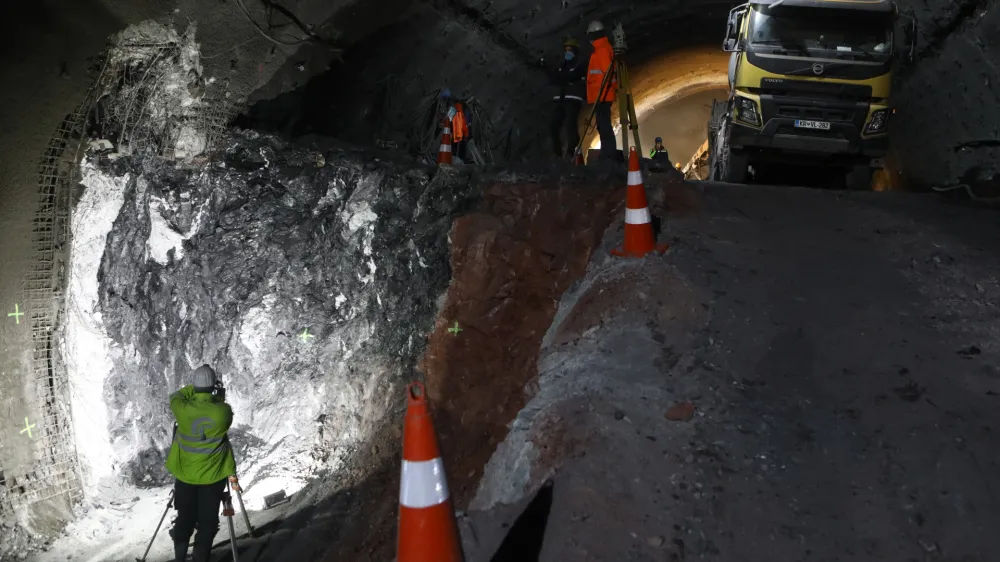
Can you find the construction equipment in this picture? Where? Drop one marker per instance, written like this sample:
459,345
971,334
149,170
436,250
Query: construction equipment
234,483
170,503
228,511
640,240
428,531
809,82
444,151
626,103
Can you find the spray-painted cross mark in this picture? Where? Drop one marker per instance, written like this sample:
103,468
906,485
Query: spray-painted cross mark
27,427
17,314
454,329
305,335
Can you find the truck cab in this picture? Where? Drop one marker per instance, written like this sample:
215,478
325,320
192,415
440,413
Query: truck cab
810,80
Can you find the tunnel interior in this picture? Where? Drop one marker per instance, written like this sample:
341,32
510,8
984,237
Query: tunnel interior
384,88
314,221
488,53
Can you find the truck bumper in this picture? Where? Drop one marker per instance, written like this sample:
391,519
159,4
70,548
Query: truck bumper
780,136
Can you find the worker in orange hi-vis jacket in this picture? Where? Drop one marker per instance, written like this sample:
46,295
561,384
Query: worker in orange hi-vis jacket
600,66
454,114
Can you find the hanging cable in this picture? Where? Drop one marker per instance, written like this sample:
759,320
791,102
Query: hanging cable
264,34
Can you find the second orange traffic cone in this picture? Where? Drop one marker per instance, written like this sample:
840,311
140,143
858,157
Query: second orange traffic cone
444,151
428,531
639,236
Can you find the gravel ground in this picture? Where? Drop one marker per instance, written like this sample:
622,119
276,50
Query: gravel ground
836,355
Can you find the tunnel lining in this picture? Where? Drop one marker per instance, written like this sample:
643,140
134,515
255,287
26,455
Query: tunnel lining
53,469
669,78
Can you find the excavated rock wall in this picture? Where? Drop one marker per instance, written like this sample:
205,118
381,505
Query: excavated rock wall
947,129
512,260
308,288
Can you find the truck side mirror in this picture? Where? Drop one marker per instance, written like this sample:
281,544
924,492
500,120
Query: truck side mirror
731,43
909,32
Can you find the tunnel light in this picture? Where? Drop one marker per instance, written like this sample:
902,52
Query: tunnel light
746,111
878,122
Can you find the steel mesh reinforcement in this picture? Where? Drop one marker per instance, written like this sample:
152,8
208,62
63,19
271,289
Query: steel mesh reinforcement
47,465
49,469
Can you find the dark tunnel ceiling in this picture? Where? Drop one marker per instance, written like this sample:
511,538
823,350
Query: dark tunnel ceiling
652,27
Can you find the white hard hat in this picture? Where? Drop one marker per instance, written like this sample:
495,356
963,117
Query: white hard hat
204,377
595,25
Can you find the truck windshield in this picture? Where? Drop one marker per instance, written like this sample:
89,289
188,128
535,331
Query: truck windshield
840,33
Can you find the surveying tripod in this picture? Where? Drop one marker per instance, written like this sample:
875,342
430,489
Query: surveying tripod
232,484
626,102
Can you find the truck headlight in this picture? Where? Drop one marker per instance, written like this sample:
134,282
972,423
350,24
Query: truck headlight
746,111
878,122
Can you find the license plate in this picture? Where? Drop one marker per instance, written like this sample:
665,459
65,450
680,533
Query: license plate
819,125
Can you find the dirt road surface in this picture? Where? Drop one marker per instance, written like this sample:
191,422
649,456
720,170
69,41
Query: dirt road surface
839,351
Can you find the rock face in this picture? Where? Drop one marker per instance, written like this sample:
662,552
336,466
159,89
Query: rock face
512,260
947,128
308,288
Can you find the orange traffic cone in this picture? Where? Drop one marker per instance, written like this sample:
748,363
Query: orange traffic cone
427,528
578,157
639,239
444,152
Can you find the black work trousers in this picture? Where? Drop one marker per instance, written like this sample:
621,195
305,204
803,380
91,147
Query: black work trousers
198,507
609,144
565,118
460,149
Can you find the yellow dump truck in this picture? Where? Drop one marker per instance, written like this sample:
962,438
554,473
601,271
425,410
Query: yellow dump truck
809,82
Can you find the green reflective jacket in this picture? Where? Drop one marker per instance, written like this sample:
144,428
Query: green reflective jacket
200,453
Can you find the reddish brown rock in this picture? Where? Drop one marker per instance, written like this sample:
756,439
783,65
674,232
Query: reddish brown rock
511,261
681,411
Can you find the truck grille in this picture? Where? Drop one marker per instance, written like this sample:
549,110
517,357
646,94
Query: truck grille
817,114
789,130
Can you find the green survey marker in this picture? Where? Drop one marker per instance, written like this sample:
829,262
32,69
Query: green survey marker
17,314
454,329
305,335
27,427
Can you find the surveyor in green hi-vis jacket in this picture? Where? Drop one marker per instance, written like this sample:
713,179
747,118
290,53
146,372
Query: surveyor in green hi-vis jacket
201,459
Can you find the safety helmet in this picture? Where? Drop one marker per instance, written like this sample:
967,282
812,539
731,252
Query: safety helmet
445,93
204,377
595,25
659,140
571,42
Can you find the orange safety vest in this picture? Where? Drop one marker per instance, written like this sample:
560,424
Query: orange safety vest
600,63
459,127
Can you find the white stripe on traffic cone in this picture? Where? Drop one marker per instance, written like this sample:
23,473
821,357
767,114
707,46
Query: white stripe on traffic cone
423,484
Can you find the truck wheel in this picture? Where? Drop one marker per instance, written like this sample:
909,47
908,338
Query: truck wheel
859,178
714,162
715,123
734,166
